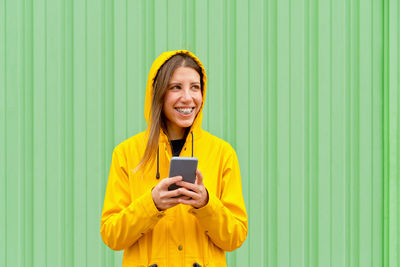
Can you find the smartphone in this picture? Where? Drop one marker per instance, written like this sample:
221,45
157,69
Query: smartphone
185,167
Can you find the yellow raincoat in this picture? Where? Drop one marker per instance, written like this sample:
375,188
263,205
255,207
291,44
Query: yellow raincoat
182,235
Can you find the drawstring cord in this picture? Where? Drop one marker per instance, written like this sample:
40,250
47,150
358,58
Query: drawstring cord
158,158
192,142
158,164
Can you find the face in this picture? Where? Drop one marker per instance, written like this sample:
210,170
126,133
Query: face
182,101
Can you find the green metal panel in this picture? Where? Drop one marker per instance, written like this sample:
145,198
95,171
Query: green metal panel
391,133
307,91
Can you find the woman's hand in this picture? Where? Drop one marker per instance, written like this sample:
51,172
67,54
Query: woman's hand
196,193
164,199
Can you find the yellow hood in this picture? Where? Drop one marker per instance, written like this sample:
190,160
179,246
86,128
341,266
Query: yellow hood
150,81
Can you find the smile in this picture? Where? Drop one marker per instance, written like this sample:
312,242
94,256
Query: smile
185,111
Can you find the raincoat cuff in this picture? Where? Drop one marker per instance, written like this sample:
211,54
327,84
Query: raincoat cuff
210,209
149,207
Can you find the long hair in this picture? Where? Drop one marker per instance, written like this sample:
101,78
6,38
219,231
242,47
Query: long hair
160,87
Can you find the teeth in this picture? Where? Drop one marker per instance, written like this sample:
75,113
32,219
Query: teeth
184,110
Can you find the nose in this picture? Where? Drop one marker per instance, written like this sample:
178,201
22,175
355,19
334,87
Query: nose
186,94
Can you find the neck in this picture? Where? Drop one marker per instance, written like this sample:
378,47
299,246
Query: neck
175,133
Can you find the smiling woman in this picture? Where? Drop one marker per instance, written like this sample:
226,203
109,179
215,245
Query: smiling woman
190,226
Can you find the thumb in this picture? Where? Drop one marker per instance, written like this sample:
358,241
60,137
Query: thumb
199,177
171,180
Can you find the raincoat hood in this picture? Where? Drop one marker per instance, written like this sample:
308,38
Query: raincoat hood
150,82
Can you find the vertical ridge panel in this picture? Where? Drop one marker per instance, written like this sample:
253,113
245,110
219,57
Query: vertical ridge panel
314,137
355,136
94,140
392,133
3,135
28,134
338,116
80,173
68,147
297,122
324,133
39,135
257,122
348,130
12,201
241,102
377,133
365,137
53,132
283,134
272,123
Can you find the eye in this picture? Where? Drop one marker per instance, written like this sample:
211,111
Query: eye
176,87
196,87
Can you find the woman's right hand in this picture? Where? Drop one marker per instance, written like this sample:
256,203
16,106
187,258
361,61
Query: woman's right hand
164,199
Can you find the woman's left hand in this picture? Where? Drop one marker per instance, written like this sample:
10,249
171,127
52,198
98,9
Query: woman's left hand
197,193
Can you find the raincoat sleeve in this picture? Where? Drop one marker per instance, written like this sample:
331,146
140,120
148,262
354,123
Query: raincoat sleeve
124,221
224,219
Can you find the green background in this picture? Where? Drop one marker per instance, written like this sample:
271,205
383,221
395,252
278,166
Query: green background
306,91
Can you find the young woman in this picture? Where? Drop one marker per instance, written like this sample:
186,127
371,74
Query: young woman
195,224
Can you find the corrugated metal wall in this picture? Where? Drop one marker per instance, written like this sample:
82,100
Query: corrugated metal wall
307,91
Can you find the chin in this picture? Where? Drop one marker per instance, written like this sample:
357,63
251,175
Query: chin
185,124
